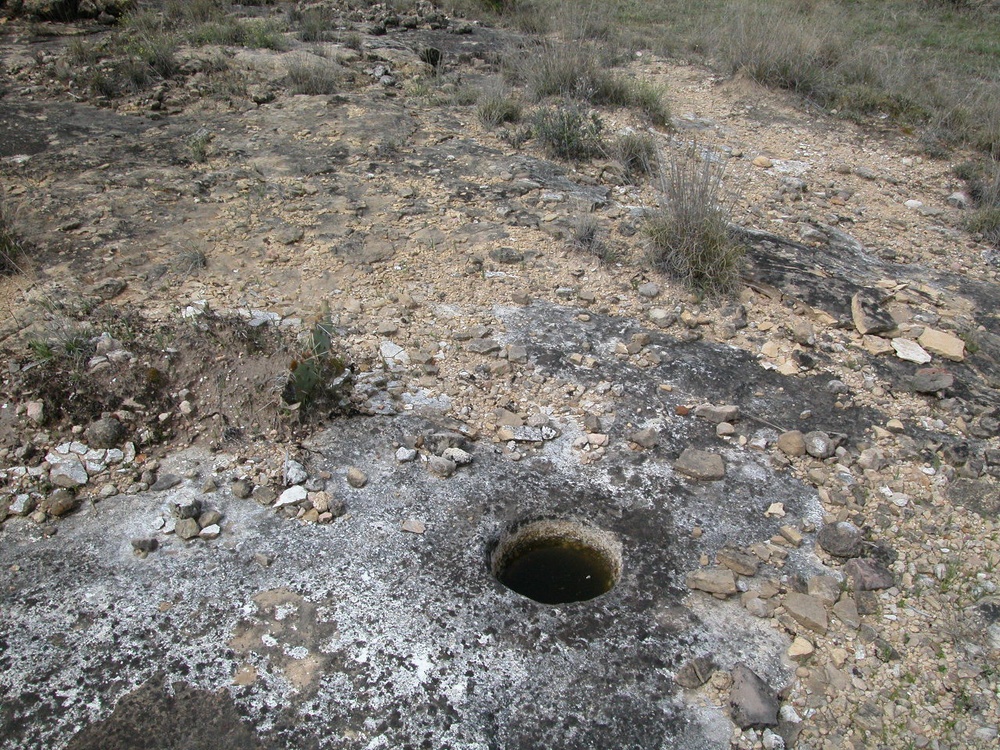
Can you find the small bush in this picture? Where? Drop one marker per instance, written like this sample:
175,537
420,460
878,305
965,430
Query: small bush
567,132
11,246
984,188
587,236
637,154
689,236
583,73
777,47
312,77
496,107
320,378
255,33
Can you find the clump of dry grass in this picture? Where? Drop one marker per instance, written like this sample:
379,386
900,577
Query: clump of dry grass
689,235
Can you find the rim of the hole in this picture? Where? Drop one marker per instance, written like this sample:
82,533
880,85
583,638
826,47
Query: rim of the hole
529,534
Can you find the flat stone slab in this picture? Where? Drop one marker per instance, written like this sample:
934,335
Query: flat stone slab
700,465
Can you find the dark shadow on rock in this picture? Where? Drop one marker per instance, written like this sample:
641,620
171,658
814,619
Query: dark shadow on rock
184,718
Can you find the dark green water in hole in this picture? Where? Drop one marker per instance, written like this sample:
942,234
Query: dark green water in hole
555,572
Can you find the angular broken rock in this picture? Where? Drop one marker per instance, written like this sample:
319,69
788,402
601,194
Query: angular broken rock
696,672
753,703
712,580
932,380
808,611
186,508
868,575
187,528
868,314
847,612
842,539
242,488
910,351
165,482
717,414
943,344
292,495
69,472
738,562
700,465
646,438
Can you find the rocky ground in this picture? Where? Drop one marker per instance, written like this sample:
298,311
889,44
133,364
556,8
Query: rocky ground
188,243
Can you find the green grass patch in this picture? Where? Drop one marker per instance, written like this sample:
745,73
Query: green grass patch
569,132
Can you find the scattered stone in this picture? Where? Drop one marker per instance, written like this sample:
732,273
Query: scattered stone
482,346
712,580
791,535
187,528
775,510
792,443
868,314
909,350
69,472
441,467
801,650
932,380
263,560
717,414
105,433
60,502
649,290
405,455
356,478
645,438
738,562
808,611
186,508
507,255
868,575
943,344
819,445
846,611
211,531
264,495
165,482
22,505
803,333
242,488
759,607
291,496
824,588
459,456
414,526
763,162
662,318
143,546
35,412
696,672
295,473
209,518
700,465
753,703
841,539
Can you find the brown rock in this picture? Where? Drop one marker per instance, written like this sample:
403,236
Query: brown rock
712,580
792,443
738,562
807,611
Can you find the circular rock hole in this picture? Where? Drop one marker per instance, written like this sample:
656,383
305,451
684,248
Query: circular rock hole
554,562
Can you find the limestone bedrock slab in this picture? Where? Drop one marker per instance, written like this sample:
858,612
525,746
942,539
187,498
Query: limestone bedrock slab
374,616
